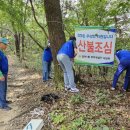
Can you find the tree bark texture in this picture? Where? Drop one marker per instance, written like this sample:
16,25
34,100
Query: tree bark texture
55,30
55,25
17,44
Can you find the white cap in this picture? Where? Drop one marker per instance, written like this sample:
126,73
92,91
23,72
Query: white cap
48,44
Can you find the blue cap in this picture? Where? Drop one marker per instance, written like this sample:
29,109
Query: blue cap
4,40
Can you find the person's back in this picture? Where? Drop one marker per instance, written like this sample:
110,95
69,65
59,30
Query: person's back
123,55
123,58
65,57
67,49
46,61
47,54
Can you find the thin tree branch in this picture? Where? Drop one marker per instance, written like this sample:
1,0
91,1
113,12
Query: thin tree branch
35,40
8,30
33,11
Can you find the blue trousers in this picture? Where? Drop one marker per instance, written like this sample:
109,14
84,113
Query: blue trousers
3,92
124,65
46,70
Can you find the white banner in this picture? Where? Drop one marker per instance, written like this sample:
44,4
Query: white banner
95,45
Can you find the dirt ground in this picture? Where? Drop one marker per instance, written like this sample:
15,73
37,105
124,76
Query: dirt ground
21,83
25,89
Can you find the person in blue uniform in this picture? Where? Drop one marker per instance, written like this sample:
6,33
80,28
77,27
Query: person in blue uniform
123,58
3,74
47,61
65,57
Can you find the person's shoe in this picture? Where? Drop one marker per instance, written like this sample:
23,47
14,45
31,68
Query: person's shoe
50,77
123,89
74,90
112,88
44,80
8,102
67,88
7,108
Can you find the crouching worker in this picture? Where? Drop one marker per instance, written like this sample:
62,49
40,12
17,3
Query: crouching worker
65,57
47,61
3,74
123,58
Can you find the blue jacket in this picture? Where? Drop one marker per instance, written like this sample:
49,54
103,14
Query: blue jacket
47,55
3,63
67,49
123,57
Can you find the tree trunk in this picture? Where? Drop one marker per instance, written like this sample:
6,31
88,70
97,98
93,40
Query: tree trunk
17,44
23,46
55,29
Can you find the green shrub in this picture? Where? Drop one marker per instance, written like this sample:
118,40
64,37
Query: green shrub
57,117
76,99
102,97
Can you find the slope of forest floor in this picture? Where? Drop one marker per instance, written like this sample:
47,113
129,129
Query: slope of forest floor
94,108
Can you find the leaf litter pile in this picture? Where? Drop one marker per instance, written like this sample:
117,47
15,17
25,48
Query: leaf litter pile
96,107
